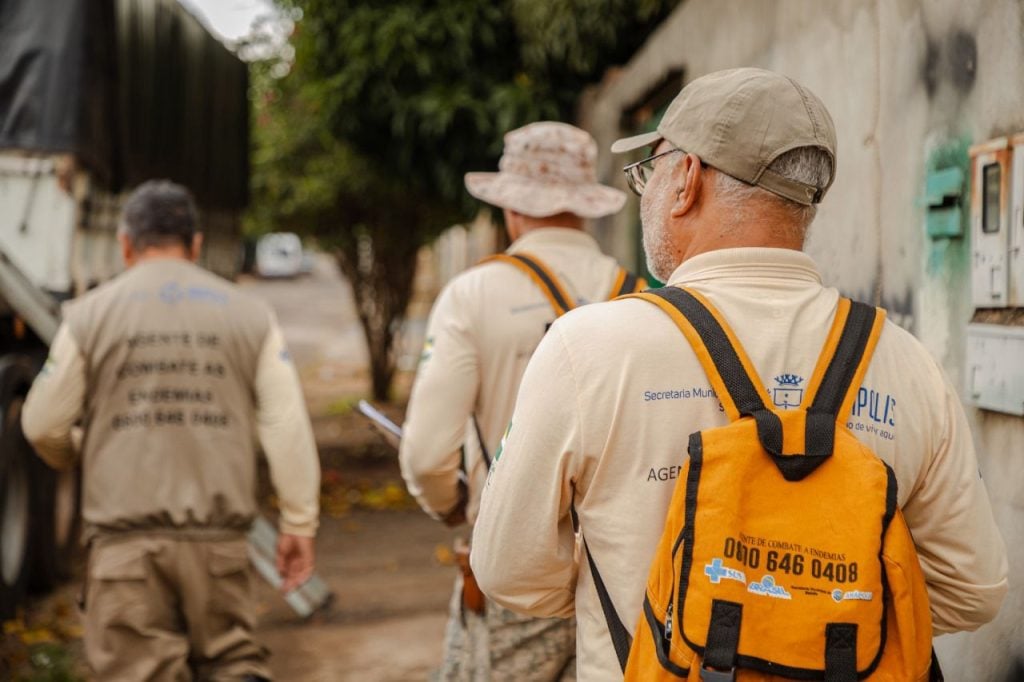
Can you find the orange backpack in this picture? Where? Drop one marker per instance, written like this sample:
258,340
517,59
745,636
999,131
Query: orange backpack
784,555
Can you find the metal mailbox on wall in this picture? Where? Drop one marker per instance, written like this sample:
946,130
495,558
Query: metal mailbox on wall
1015,251
995,367
990,218
995,341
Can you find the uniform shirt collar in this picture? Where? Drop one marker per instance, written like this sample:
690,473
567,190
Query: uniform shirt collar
553,236
163,263
746,262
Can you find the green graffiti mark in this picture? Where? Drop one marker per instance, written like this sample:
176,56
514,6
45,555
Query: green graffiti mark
950,258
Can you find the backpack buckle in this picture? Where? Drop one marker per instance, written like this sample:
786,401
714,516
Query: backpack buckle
723,640
709,675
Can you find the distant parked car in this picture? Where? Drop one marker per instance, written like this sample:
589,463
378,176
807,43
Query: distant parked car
279,254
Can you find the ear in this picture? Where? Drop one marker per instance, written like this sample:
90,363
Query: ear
688,181
127,250
197,247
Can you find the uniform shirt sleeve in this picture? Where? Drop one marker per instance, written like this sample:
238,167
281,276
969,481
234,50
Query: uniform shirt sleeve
56,401
961,551
286,434
523,553
440,406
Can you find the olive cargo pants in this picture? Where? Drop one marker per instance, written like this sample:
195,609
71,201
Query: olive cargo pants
163,608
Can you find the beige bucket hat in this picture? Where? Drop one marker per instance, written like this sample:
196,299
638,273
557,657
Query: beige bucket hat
740,120
547,168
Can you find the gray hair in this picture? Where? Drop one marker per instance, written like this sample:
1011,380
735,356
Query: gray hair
159,213
809,165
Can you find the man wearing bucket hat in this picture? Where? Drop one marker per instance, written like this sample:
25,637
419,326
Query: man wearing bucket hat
606,407
481,333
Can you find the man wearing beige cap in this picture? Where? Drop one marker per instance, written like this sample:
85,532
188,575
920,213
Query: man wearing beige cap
736,169
482,331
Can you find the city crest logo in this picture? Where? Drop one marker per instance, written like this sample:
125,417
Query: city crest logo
788,394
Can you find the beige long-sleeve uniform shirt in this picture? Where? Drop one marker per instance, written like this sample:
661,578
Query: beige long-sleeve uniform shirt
482,330
614,391
62,392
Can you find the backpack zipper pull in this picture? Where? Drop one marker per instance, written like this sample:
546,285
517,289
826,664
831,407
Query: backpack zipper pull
668,623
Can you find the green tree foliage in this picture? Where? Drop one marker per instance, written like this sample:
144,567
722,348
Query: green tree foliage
363,144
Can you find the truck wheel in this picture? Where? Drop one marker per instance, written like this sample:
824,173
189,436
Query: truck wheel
55,524
15,485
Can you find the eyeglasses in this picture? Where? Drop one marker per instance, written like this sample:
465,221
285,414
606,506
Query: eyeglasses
637,174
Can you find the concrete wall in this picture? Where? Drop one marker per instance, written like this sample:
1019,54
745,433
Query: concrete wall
906,82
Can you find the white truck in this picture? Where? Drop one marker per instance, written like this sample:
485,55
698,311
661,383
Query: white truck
96,96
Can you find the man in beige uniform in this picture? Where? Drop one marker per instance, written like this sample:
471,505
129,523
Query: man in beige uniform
484,326
613,392
171,371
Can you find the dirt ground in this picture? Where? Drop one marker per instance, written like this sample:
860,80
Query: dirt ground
388,565
390,569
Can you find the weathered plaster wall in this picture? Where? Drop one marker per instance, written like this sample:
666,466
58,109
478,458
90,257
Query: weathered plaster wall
906,81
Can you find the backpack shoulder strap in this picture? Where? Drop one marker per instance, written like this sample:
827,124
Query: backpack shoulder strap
626,283
726,364
840,371
836,380
831,391
560,300
621,639
480,439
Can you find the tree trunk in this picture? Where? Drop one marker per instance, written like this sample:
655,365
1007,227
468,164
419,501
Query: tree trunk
381,273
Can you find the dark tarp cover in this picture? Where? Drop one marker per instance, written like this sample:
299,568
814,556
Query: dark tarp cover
136,89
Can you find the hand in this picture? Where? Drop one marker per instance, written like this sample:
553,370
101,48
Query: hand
294,560
456,516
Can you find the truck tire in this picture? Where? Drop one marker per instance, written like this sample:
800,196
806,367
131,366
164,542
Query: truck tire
16,375
56,520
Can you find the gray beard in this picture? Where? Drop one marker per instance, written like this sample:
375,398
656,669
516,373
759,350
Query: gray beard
657,249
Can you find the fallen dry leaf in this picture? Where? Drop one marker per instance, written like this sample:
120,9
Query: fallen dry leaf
41,635
444,555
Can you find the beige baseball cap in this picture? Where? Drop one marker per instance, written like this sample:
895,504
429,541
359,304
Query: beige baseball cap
547,168
739,121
